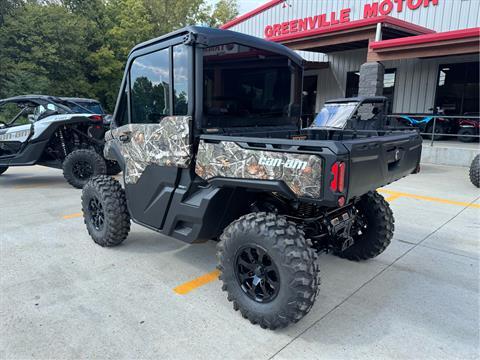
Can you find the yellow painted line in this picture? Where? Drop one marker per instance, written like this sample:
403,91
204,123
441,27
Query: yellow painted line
392,197
196,283
72,216
427,198
30,186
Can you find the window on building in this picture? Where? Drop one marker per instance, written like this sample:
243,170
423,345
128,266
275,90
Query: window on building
309,96
458,88
353,79
149,87
244,85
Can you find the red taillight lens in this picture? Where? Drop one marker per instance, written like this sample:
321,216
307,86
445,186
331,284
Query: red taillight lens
96,117
338,181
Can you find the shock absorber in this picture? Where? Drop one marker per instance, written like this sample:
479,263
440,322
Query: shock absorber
62,142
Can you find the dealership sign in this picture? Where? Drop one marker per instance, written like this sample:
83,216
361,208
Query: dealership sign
377,8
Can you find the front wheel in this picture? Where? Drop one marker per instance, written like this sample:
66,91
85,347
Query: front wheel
474,172
3,169
372,230
439,129
268,269
80,165
105,211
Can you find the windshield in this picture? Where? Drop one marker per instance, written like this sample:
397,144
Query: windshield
82,107
25,112
334,115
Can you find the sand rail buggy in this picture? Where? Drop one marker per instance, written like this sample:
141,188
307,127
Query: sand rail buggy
64,133
206,131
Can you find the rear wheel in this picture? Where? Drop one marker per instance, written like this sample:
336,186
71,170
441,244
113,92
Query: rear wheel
372,230
3,169
105,212
80,165
466,135
475,171
268,269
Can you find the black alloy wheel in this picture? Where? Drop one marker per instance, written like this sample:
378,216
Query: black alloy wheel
82,170
257,273
97,216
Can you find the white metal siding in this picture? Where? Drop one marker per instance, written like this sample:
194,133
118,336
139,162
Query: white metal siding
332,81
447,15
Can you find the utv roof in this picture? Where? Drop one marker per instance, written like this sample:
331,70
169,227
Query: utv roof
77,99
358,99
44,98
211,37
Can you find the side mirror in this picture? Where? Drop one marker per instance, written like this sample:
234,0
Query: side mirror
31,118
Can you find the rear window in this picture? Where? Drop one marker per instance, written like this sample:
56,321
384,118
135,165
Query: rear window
247,86
81,107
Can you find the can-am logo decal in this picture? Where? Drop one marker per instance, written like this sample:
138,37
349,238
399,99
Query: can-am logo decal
289,164
14,135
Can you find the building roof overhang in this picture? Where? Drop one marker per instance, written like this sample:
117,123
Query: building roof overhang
456,42
350,35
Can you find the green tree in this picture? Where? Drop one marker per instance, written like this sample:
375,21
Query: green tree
79,47
43,56
224,11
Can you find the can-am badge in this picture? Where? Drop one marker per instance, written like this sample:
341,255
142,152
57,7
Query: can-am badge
289,164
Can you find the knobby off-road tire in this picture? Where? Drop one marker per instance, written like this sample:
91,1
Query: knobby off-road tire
105,211
475,171
283,248
439,129
3,169
112,167
467,131
80,165
377,231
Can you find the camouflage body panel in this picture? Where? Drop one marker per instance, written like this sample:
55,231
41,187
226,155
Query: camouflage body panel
163,144
107,149
302,173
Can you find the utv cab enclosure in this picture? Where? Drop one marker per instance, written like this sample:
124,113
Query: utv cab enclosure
206,130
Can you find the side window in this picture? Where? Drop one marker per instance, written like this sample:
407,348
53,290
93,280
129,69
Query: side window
122,115
180,80
149,82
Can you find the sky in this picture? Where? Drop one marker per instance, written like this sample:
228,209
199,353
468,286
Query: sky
245,5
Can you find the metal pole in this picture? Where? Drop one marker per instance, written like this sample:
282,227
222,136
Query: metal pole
378,33
433,129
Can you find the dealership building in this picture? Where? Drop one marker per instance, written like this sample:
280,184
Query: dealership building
421,54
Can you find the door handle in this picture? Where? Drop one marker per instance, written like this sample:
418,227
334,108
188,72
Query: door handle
124,138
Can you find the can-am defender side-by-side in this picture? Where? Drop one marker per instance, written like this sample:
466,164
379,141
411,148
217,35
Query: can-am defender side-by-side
206,132
64,133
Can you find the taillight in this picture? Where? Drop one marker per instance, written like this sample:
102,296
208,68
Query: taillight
338,181
96,117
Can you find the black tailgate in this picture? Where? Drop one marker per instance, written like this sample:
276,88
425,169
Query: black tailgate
378,161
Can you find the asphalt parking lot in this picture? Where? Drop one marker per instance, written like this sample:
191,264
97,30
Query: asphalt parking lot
62,296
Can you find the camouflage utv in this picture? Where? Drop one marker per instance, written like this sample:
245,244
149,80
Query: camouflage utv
206,132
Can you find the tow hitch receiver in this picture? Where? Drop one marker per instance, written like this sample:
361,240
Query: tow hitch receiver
341,229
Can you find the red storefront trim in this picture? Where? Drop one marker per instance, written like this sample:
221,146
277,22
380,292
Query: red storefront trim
353,25
429,38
